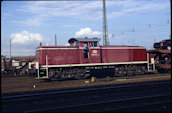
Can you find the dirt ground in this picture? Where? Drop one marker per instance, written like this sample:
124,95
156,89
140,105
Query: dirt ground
22,83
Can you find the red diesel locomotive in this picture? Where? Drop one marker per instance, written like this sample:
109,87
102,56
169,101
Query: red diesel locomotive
85,58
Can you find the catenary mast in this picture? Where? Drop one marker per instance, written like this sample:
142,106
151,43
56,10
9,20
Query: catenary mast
105,31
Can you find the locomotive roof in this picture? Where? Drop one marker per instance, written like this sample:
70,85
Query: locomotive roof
84,39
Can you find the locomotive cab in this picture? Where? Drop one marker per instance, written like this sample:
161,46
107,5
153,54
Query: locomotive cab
84,42
89,48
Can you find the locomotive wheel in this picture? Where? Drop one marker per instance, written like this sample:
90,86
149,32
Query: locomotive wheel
79,73
130,70
67,74
139,70
120,71
54,76
161,70
143,70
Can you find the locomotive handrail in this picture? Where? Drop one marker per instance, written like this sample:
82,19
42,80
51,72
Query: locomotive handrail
148,61
38,69
93,64
47,65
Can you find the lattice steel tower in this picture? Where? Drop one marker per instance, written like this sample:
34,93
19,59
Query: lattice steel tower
105,30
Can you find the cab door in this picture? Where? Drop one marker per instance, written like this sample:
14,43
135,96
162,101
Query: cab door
86,53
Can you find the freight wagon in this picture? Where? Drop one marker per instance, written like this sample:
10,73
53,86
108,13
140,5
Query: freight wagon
162,59
85,58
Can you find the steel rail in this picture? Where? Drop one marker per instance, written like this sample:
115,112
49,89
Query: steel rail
109,101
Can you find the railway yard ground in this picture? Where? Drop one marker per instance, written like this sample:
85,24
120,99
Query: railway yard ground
25,83
25,93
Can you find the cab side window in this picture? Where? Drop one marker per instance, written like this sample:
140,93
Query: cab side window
95,44
85,45
72,44
77,43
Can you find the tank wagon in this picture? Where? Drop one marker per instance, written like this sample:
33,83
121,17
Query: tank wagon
85,58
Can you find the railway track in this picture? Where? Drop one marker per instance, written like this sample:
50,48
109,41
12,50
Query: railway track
26,84
118,97
130,104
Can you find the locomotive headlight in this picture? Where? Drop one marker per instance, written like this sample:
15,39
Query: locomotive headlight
166,58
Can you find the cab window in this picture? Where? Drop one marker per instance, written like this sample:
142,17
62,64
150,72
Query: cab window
77,43
90,44
95,44
72,44
85,45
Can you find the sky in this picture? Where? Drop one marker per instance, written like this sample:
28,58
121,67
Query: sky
129,22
